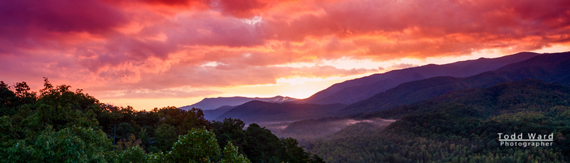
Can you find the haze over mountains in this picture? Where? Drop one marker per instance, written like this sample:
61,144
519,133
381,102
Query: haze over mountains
548,67
215,103
458,126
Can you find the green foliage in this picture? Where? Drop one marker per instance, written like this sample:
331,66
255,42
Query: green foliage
165,136
259,144
127,143
230,130
292,152
231,154
61,125
144,137
124,130
8,100
199,145
195,119
62,108
262,145
76,144
133,154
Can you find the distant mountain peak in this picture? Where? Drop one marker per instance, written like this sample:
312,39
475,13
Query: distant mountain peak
211,103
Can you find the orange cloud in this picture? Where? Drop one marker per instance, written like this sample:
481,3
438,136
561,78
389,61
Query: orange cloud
159,45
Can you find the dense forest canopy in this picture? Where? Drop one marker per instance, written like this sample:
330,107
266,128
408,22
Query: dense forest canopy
461,126
57,124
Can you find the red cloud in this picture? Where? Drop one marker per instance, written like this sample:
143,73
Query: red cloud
60,16
240,8
173,2
29,25
160,44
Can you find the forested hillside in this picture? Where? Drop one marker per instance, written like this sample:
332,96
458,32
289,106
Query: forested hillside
57,124
462,126
546,67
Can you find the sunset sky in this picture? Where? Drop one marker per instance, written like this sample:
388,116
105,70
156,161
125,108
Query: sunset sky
155,53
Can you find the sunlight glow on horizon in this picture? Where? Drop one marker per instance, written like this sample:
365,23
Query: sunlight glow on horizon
303,87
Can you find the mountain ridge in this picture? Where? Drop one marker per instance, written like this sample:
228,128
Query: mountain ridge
554,70
547,67
217,102
260,111
354,90
212,114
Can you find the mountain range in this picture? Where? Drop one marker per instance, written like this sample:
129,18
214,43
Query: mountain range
390,98
457,76
260,111
216,103
548,68
362,88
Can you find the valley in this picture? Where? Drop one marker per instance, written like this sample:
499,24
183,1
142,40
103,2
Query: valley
430,110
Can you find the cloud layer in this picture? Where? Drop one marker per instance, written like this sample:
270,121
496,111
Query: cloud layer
140,46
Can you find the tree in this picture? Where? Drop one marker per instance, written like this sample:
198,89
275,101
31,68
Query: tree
231,155
132,154
132,141
125,130
261,145
23,91
194,119
61,125
292,152
199,145
8,100
165,136
144,137
229,130
74,144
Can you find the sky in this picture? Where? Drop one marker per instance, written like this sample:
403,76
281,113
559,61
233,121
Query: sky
156,53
